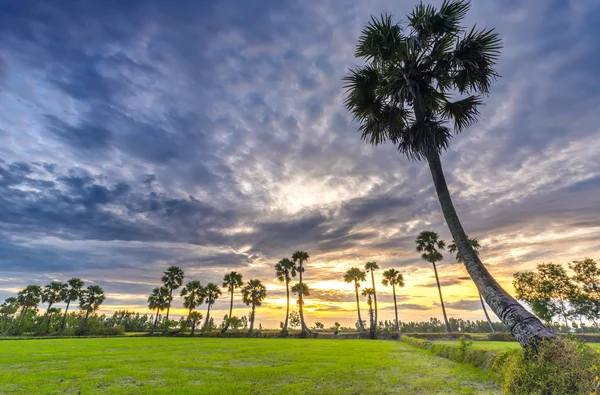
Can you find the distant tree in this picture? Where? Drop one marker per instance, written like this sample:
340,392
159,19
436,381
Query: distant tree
29,298
369,293
370,267
285,269
194,318
212,293
294,319
71,293
193,296
244,322
159,301
393,278
231,281
429,244
253,294
319,325
453,249
91,299
235,322
296,290
357,276
586,294
172,279
299,257
52,293
420,80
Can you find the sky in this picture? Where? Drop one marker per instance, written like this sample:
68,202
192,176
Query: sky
135,135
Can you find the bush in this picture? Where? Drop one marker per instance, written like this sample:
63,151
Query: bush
563,366
500,337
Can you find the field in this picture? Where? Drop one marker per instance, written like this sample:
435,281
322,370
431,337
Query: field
498,346
132,365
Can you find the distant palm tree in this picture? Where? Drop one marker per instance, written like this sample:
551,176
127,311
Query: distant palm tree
476,246
429,244
299,257
285,270
159,301
357,276
90,300
172,279
405,93
29,298
253,293
194,317
370,267
369,293
193,296
72,293
53,293
231,281
296,290
394,278
211,294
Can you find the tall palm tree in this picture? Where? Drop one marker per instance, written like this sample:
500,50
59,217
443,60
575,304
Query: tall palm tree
90,300
299,257
357,276
211,294
231,281
370,267
29,298
172,279
476,246
193,296
405,94
253,293
53,293
285,270
369,293
394,278
159,301
429,244
72,293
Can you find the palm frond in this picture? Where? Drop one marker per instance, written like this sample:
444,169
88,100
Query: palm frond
428,22
381,40
464,112
422,137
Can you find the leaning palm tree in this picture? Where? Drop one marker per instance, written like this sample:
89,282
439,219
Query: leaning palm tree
231,281
299,257
394,278
159,301
253,293
211,294
370,267
357,276
29,298
285,270
53,293
172,279
369,293
90,300
429,244
476,246
193,296
405,94
71,293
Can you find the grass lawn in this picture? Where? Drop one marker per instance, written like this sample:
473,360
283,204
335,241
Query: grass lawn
144,365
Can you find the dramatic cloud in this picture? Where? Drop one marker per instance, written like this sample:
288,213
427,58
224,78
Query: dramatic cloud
212,135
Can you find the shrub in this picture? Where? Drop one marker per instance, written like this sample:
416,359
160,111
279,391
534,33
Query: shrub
563,366
500,337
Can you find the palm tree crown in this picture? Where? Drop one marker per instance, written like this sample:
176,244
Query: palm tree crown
192,294
173,277
355,275
53,292
305,291
392,277
29,297
429,244
159,298
454,250
285,270
73,290
232,280
254,292
300,257
404,92
91,298
211,293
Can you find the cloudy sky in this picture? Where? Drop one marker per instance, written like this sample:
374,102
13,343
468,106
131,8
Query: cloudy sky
212,135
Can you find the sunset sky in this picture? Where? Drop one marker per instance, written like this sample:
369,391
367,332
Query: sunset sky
212,135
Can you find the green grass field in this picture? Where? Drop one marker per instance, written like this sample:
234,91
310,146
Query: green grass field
144,365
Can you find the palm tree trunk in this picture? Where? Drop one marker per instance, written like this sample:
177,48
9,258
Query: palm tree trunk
48,315
287,309
155,322
360,323
437,280
395,307
487,317
525,327
251,319
62,325
207,318
301,303
230,312
168,309
374,296
193,327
